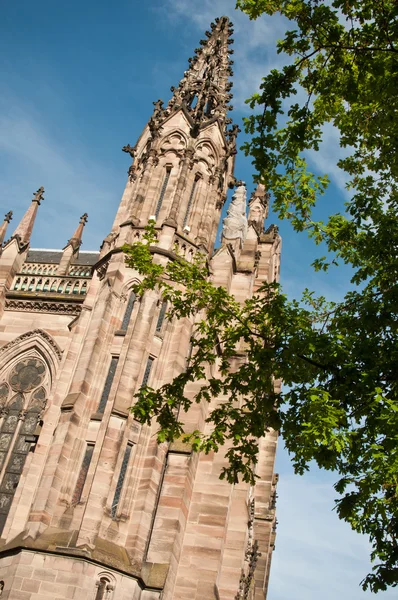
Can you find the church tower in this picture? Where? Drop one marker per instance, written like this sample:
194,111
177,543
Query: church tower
90,505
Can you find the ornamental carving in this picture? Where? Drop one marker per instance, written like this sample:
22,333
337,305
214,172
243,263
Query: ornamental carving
63,308
29,334
27,375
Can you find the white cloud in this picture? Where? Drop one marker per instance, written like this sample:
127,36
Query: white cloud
316,555
35,155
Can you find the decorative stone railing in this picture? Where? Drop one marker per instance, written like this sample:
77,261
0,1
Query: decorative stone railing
39,269
51,269
50,285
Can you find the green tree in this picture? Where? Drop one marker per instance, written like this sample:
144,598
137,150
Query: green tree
338,361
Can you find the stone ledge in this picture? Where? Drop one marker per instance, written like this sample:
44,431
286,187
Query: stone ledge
154,574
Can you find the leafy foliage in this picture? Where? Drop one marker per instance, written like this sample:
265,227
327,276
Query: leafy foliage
338,361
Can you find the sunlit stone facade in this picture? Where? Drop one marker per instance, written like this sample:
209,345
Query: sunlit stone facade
90,505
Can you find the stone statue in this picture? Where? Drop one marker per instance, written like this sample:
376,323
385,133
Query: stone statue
235,223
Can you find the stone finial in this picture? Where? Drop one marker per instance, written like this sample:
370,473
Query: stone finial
3,227
76,240
24,230
204,91
38,195
235,223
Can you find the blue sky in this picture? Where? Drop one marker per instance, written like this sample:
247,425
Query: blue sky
77,82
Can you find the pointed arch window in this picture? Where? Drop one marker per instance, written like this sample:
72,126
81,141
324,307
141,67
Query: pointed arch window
162,314
120,481
163,190
147,371
190,200
83,474
19,426
128,311
108,384
193,101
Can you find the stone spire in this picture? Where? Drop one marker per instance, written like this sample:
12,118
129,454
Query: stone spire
204,91
71,250
3,227
25,227
76,239
235,223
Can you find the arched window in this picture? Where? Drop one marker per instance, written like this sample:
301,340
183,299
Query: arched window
120,481
19,425
128,311
163,191
83,289
190,201
162,314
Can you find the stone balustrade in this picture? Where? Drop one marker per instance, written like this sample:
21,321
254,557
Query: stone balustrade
56,284
44,269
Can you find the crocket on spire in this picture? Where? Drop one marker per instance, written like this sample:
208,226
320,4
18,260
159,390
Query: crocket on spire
3,227
76,240
204,91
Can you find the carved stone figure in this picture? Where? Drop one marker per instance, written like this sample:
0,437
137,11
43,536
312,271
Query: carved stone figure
235,223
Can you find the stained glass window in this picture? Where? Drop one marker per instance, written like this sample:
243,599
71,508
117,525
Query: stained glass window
27,375
17,458
162,313
163,191
147,370
120,480
19,427
128,311
83,474
4,389
108,384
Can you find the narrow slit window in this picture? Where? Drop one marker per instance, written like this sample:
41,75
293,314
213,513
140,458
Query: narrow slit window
120,481
147,370
83,474
128,311
108,384
161,316
190,201
163,191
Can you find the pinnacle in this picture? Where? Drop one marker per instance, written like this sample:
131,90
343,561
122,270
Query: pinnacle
204,91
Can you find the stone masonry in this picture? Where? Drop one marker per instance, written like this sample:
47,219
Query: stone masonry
90,505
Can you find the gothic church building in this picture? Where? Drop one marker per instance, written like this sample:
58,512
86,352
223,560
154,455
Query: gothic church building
91,507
